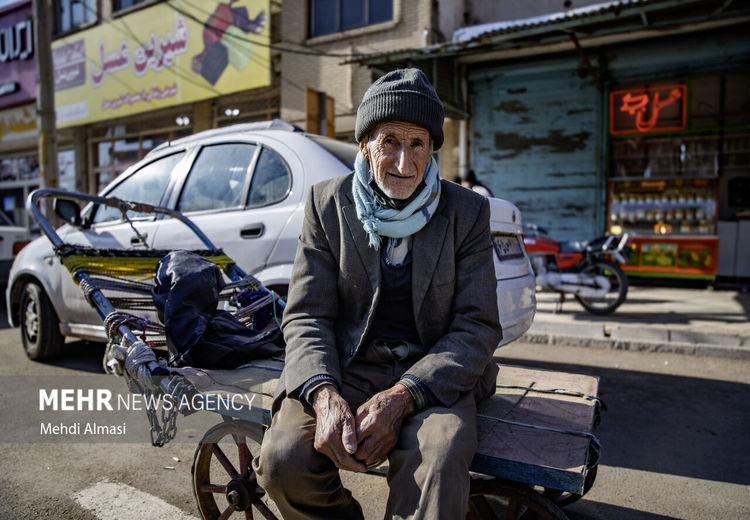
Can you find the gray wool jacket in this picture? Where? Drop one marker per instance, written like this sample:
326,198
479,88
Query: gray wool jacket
335,287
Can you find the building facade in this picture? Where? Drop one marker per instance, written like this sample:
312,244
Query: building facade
130,75
629,115
19,163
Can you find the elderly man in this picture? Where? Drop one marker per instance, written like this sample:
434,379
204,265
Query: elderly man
390,324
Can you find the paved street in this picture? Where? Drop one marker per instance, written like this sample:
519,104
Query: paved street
674,439
674,434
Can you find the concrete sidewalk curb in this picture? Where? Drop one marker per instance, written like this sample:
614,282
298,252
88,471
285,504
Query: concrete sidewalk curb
641,332
651,344
698,322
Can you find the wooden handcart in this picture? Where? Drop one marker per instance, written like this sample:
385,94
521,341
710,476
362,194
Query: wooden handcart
536,451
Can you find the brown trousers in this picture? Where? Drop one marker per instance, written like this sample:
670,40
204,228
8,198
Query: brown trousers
428,471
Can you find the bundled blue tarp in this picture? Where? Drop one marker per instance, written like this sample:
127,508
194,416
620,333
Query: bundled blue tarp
186,296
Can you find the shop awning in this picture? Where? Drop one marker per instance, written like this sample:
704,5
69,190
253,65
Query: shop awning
591,26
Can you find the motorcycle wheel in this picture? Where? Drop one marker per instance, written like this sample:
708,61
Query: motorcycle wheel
618,289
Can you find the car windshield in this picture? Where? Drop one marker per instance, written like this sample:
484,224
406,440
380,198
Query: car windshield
344,152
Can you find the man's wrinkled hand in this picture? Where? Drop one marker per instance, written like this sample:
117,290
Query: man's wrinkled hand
379,423
335,428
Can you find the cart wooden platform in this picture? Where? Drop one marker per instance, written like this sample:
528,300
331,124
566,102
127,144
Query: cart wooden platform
534,436
536,449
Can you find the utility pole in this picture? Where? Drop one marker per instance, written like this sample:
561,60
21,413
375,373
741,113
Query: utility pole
45,93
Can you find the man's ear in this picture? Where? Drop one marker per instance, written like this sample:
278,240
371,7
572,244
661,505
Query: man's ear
363,147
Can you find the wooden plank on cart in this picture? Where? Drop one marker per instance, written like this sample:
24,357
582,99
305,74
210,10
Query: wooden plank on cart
554,455
255,383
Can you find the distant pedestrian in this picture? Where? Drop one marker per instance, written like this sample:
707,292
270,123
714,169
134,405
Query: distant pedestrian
471,182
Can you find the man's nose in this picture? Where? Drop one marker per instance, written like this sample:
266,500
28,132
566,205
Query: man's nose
403,159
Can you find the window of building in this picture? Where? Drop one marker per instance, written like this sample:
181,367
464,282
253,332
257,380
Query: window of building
71,14
124,4
679,150
320,113
19,175
331,16
680,128
114,148
246,111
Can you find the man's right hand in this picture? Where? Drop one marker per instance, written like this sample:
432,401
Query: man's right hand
335,434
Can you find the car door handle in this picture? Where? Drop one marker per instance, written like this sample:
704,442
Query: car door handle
252,231
137,240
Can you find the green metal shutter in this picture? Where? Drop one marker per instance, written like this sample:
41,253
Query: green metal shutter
536,129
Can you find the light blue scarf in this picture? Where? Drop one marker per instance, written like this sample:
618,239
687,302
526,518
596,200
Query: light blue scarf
380,221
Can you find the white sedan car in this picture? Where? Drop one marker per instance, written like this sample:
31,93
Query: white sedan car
244,186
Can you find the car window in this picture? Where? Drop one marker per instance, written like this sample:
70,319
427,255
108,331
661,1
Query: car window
146,185
217,179
271,180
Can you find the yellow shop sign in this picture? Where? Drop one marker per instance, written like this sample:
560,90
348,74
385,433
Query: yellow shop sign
175,52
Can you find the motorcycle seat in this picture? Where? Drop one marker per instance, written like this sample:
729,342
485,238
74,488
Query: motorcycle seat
580,246
575,246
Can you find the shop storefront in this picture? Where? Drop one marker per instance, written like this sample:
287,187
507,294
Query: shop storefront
621,116
661,151
160,73
19,165
679,158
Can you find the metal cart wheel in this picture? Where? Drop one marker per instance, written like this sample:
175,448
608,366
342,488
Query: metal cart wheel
224,483
503,499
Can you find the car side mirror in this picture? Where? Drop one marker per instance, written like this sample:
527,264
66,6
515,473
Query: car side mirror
68,210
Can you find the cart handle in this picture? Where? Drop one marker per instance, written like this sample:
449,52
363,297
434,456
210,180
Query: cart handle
32,206
101,304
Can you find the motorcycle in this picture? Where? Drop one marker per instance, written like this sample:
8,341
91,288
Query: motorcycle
589,270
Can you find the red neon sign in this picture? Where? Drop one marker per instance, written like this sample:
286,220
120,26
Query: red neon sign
643,110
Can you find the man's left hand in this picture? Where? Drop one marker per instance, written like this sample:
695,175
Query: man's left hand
379,423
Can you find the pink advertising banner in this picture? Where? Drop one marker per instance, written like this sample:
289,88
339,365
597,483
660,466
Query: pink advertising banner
17,57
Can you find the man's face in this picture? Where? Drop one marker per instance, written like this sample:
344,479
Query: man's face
398,153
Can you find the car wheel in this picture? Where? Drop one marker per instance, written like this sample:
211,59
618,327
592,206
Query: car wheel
40,327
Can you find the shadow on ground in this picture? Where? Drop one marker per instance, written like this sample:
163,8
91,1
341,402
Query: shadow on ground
666,424
81,355
589,510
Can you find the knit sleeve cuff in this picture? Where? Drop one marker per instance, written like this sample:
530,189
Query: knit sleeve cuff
418,390
312,384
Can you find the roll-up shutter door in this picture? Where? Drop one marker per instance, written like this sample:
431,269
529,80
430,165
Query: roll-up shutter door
535,142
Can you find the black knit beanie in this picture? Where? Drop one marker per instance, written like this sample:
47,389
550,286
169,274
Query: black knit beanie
402,95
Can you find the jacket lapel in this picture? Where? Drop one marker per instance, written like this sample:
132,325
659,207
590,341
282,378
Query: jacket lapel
369,256
428,243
